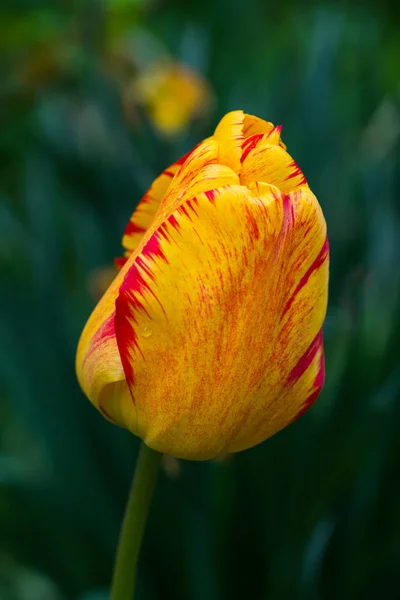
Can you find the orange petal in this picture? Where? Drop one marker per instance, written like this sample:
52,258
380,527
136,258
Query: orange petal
262,161
218,320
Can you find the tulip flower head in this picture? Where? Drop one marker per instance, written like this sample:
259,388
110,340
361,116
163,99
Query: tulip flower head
208,341
172,95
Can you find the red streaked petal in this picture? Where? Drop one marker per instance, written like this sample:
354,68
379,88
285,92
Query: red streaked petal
149,205
262,161
210,366
253,125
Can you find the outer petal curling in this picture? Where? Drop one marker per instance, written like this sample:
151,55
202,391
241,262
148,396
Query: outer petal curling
210,367
98,362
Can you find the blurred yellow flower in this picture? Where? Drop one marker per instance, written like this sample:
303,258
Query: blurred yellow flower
172,94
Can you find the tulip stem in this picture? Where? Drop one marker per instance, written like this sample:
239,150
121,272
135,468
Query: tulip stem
137,508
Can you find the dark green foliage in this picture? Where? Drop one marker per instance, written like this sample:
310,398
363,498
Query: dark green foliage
313,513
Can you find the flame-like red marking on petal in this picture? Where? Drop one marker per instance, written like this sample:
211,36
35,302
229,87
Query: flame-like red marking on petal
191,207
318,262
183,211
163,231
296,172
250,143
276,129
133,286
152,249
129,302
145,268
173,222
126,306
132,228
317,385
306,360
210,194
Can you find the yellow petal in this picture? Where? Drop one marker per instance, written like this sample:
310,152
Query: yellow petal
148,206
98,363
167,191
202,155
229,136
218,320
254,126
262,161
234,141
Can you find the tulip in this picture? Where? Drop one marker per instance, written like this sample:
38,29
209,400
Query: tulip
172,95
208,341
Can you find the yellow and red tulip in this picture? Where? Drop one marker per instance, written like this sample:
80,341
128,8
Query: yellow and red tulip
209,339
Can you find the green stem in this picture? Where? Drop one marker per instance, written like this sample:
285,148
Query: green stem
137,508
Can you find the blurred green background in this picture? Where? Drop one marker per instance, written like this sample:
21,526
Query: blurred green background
313,513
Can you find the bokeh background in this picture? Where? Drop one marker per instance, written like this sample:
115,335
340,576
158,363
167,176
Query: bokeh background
97,98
